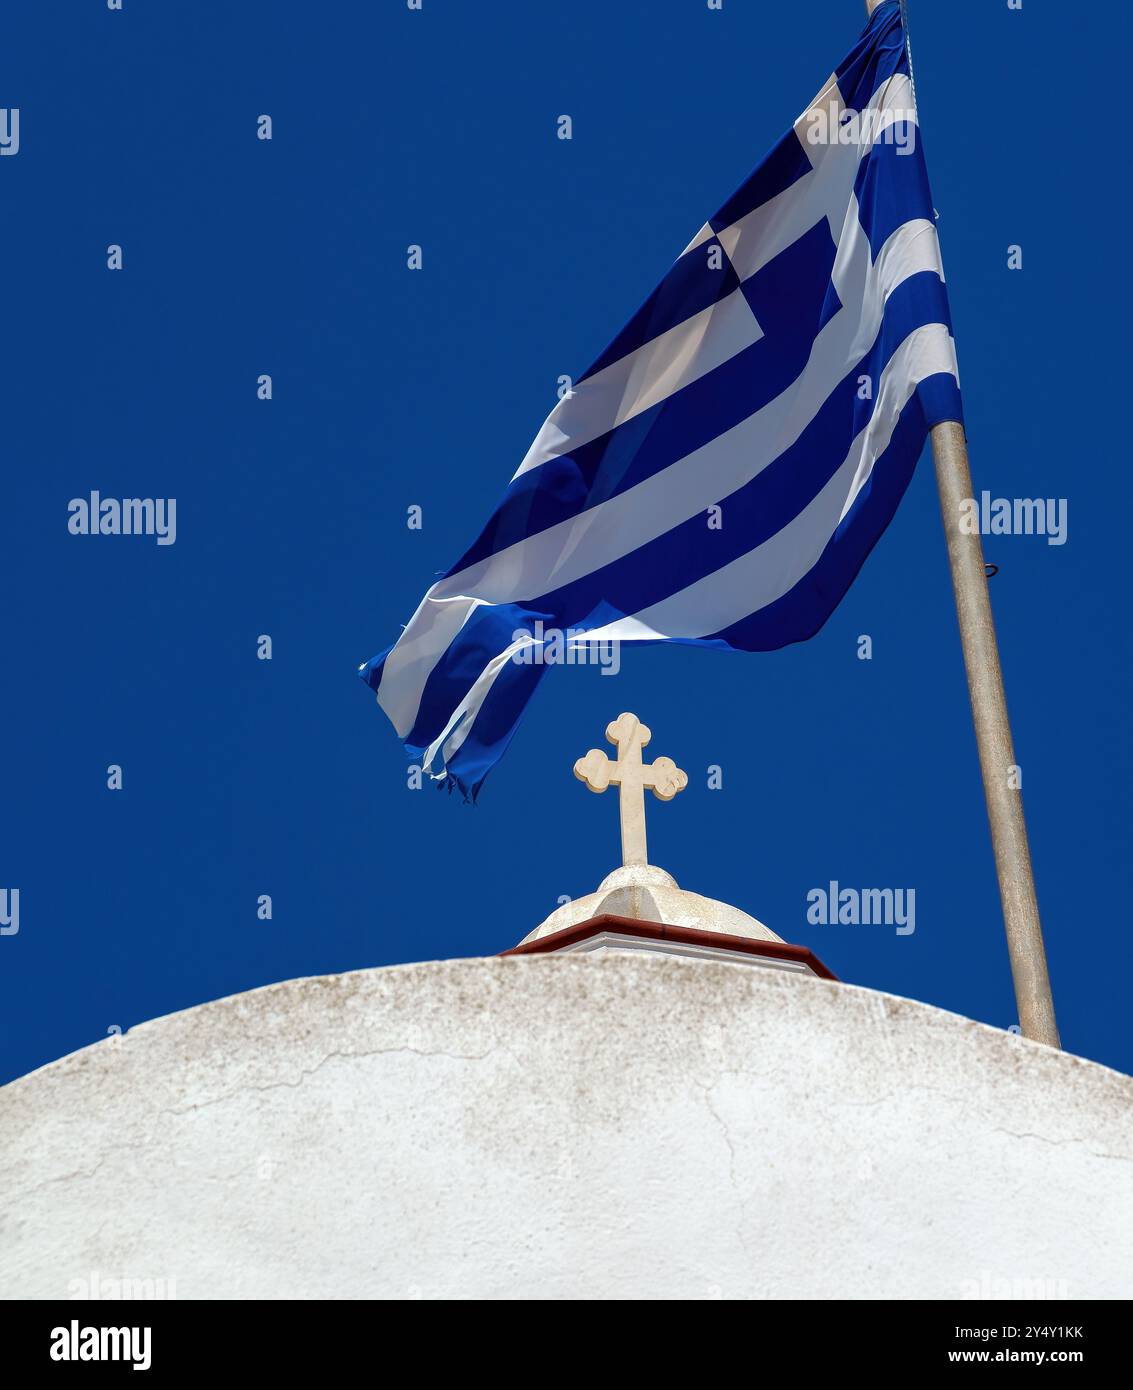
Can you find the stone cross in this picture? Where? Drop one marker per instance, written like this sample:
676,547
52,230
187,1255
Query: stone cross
631,776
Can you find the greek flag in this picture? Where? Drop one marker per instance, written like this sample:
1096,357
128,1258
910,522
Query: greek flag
721,472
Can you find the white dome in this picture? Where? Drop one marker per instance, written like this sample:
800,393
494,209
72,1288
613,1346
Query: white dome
568,1127
650,894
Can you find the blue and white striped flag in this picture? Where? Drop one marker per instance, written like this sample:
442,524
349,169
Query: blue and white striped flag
786,371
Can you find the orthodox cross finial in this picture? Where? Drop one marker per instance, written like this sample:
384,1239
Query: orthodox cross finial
631,776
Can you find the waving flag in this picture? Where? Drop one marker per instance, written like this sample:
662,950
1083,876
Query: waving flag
721,472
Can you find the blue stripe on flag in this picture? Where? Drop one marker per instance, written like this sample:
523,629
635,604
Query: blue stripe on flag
889,196
878,54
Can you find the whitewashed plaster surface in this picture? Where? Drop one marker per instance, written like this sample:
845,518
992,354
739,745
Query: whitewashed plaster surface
569,1127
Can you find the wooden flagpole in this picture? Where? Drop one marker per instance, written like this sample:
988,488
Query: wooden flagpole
993,736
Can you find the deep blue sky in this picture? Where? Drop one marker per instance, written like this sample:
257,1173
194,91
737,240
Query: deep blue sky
394,388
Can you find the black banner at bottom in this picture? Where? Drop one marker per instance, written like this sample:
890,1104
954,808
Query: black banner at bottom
176,1339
